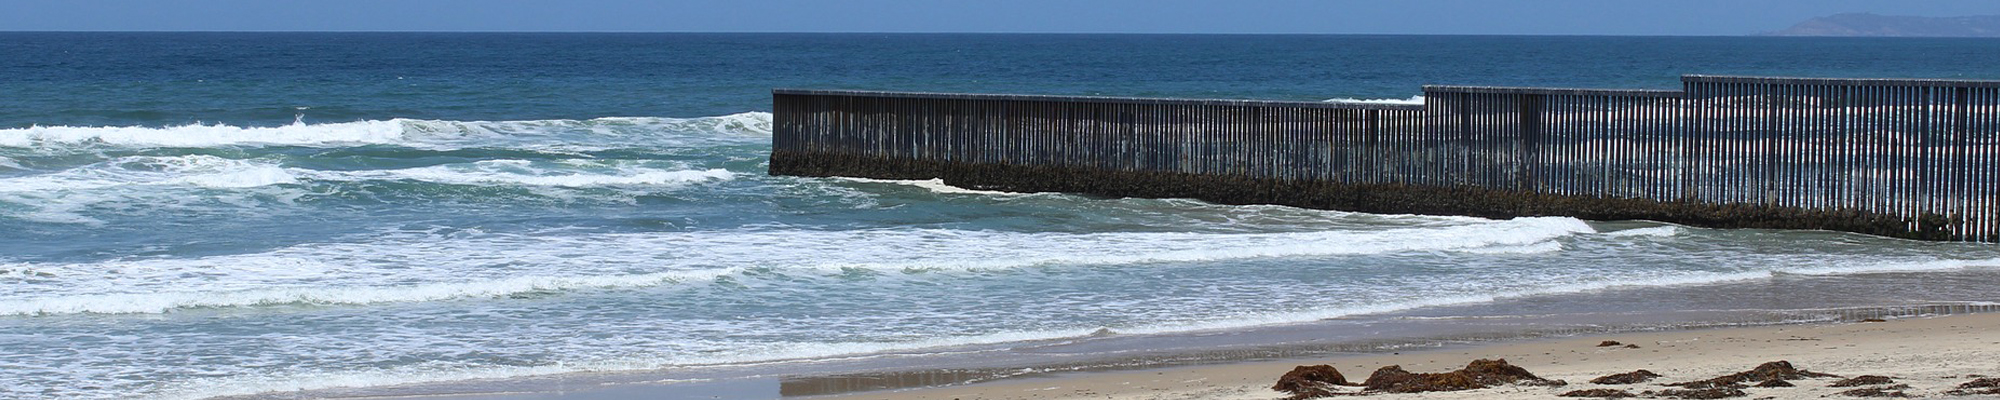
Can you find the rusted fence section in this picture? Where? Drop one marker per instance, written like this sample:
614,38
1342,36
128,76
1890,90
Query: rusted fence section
1905,158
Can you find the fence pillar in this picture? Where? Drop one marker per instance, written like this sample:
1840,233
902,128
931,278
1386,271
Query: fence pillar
1531,133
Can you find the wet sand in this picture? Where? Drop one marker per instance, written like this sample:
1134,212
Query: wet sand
1932,355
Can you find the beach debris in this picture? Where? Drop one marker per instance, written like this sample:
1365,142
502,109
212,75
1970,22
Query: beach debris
1479,374
1609,343
1887,391
1599,393
1764,372
1775,383
1627,378
1631,346
1863,380
1982,385
1309,381
1715,393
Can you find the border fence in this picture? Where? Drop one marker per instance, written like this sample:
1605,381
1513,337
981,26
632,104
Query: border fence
1914,159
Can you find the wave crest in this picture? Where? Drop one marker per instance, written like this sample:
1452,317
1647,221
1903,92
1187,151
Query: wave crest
484,265
435,134
206,180
564,173
1413,100
153,303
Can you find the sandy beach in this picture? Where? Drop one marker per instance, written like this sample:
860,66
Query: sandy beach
1931,355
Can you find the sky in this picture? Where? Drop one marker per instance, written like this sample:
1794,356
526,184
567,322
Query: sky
1501,17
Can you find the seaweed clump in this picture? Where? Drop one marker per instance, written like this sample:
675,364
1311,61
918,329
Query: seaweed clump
1640,376
1479,374
1310,381
1775,370
1863,380
1977,386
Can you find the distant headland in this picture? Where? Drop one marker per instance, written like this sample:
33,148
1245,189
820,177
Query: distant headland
1864,24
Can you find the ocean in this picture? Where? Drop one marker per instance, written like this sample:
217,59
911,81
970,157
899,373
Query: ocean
286,215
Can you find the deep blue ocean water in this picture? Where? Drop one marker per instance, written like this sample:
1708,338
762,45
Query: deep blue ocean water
187,215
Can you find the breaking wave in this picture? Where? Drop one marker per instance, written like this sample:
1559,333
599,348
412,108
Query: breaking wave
171,181
1413,100
428,134
379,271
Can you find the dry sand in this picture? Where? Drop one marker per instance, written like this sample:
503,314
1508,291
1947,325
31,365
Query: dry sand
1931,355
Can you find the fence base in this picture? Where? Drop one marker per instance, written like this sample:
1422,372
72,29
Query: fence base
1369,198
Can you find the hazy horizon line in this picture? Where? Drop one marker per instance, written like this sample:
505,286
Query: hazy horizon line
900,33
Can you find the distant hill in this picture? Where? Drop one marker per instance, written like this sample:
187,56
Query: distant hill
1864,24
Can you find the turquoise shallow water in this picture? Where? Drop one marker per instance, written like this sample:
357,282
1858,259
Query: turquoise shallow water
193,215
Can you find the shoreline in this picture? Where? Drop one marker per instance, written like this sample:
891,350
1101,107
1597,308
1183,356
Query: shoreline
1931,354
1781,302
1681,354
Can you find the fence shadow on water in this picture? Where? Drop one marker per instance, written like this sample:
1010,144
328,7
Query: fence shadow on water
1914,159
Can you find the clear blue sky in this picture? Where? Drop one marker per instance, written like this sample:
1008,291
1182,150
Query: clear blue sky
1561,17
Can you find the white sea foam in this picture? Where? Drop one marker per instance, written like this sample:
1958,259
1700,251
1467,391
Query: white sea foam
1250,217
130,303
935,185
197,135
401,132
161,183
158,182
1535,248
406,267
1499,290
168,181
198,170
1014,250
252,175
218,172
1646,279
1844,267
1413,100
528,173
1657,231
